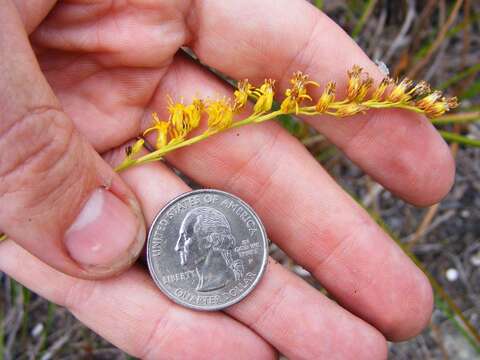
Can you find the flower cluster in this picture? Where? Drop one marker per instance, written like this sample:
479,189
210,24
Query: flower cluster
360,95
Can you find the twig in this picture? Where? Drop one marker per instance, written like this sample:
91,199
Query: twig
400,38
438,41
427,225
421,230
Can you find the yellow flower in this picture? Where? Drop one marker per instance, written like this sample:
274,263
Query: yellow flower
193,113
241,95
365,86
297,93
162,128
220,114
429,100
354,82
264,96
179,127
380,90
327,97
359,83
401,92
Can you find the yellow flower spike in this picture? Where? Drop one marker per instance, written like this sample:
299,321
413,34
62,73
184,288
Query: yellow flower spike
297,93
361,96
245,89
380,90
265,97
327,97
220,114
401,92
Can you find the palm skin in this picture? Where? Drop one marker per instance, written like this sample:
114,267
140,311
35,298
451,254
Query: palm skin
110,63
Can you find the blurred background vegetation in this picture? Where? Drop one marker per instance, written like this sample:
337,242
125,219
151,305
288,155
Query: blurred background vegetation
435,40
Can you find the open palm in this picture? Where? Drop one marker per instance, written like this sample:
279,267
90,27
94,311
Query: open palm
111,63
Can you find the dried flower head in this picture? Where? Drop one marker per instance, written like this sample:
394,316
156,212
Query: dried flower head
436,105
421,89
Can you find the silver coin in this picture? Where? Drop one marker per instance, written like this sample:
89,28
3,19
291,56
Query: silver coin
207,249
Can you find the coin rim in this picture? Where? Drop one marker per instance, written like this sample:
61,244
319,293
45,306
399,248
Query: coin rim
213,307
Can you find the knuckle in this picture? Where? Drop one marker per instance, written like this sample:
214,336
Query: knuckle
34,151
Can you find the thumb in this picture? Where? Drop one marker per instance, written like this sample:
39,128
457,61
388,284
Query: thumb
58,198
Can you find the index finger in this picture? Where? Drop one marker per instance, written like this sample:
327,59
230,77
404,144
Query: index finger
252,39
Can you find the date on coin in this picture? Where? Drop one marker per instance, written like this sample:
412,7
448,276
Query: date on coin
207,249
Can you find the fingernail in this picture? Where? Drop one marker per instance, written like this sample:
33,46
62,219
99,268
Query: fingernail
107,235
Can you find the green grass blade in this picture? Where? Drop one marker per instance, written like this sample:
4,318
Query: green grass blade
472,70
367,11
318,4
460,139
472,91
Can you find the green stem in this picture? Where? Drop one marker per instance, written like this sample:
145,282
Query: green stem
158,154
459,118
452,137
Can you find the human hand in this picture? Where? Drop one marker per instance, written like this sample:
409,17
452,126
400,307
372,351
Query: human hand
110,65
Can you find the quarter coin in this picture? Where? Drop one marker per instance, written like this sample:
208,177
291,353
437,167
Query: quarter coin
207,249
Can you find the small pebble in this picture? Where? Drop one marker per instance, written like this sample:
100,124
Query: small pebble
37,330
475,259
451,274
382,67
300,271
